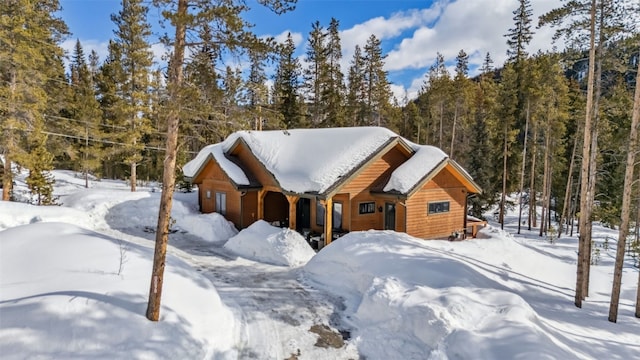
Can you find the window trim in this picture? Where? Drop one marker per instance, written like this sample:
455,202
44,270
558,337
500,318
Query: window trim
366,203
436,211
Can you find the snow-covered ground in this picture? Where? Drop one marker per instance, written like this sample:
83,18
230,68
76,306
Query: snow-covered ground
74,282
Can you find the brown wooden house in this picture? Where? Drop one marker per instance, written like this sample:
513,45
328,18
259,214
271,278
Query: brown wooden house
332,181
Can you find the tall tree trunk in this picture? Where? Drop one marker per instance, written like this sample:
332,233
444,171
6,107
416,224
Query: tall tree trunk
566,208
168,175
441,121
574,206
524,163
584,169
7,176
453,131
545,176
626,204
593,157
532,180
134,176
85,155
504,175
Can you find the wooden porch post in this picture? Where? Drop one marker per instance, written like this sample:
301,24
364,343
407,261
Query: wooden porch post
293,202
261,195
328,220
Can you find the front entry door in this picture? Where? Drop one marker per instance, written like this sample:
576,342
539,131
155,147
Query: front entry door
303,214
389,216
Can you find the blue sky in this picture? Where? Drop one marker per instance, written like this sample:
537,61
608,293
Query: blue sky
411,31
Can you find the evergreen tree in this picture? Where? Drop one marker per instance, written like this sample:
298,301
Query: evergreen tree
286,87
85,112
461,95
109,97
334,89
517,39
356,94
485,119
231,29
377,87
132,33
436,99
315,75
593,22
29,37
40,163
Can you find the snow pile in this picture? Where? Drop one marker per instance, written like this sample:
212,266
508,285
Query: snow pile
16,214
269,244
209,227
407,300
68,292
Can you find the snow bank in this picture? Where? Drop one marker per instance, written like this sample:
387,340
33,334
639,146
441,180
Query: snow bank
64,295
210,227
405,300
273,245
16,214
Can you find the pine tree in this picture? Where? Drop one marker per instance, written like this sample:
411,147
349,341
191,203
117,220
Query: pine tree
356,95
85,112
231,28
334,89
596,22
461,90
109,97
315,75
437,95
40,163
626,205
286,86
377,87
132,33
29,37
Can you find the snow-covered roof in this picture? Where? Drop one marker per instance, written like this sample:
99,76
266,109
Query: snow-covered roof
314,160
422,163
235,173
301,160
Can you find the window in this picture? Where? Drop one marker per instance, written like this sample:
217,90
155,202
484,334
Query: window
319,213
221,203
367,208
438,207
337,214
208,194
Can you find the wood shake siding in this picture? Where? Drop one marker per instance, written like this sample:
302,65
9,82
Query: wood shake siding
359,190
249,209
211,180
443,187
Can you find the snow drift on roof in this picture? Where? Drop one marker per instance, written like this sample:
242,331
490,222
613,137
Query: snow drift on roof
407,175
232,170
311,160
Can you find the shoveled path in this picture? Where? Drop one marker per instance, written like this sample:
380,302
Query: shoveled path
280,317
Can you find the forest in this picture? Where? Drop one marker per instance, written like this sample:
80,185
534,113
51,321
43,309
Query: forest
554,128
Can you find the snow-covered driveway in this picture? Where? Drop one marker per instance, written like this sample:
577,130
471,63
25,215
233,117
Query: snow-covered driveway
280,317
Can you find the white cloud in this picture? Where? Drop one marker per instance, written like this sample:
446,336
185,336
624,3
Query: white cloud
476,26
295,36
101,48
